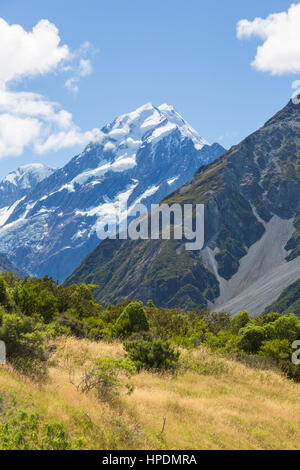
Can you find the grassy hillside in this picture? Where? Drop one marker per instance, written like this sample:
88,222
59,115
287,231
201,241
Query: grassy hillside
212,403
81,376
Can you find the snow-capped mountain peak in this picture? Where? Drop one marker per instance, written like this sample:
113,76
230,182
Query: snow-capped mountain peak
149,122
21,181
122,141
26,174
140,157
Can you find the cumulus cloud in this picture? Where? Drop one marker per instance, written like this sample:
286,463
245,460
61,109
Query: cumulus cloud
68,138
29,53
280,52
16,133
28,118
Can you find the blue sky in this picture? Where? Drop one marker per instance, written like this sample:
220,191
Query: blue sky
183,53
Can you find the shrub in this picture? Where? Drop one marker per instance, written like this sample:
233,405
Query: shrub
285,327
251,338
32,301
94,328
3,293
267,318
193,337
132,320
169,323
80,298
204,363
239,320
216,321
224,341
109,376
25,341
69,320
157,354
278,349
26,430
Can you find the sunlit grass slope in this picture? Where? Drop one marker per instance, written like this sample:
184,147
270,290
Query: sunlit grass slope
212,403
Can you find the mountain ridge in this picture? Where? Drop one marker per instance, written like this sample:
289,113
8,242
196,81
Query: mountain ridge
139,157
243,190
7,266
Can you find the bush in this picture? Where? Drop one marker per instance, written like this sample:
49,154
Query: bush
132,320
3,293
70,321
267,318
80,298
94,328
34,301
239,320
251,338
216,321
224,341
25,341
278,349
204,363
157,354
26,430
285,327
108,377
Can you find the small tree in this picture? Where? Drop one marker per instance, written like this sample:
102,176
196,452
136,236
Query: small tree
132,320
287,327
278,349
34,301
251,338
3,293
157,355
239,320
25,341
108,377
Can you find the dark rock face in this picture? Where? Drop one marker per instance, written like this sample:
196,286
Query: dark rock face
140,157
242,190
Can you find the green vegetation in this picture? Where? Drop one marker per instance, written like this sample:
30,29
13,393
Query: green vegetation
157,354
35,311
53,334
288,301
132,320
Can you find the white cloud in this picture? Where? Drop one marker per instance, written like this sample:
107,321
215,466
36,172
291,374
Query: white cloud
16,133
71,85
37,122
29,53
26,118
33,104
280,52
64,139
85,67
82,70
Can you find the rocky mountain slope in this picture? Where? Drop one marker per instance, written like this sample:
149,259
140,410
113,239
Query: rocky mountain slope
20,182
7,266
288,301
252,232
139,157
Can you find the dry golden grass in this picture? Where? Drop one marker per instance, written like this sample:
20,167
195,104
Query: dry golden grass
225,405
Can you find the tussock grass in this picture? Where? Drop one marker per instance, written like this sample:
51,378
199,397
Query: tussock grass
212,403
